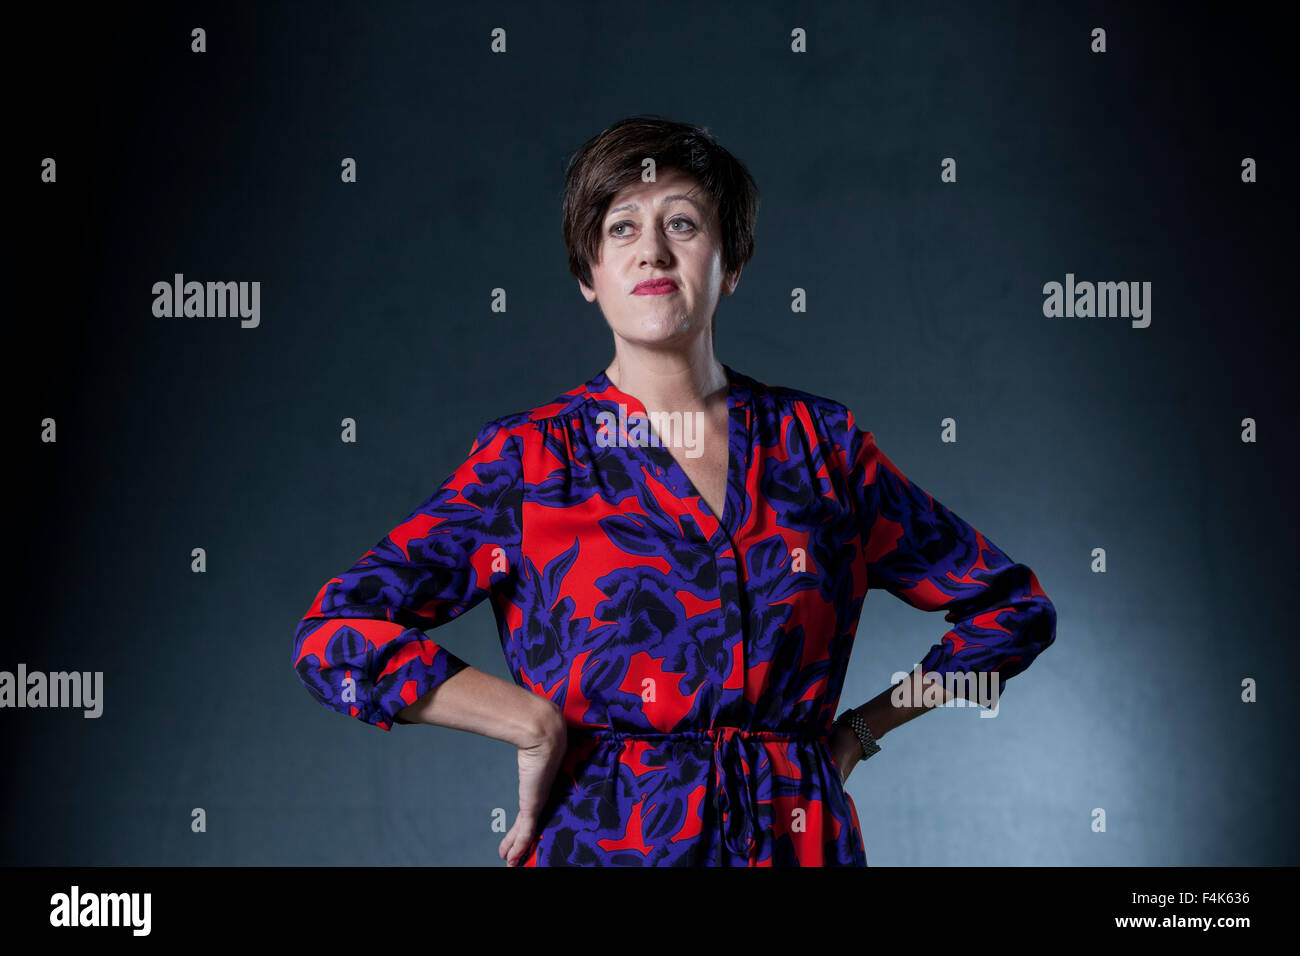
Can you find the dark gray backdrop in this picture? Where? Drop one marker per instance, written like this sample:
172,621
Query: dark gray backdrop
925,301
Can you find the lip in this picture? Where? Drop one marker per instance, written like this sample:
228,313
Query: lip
655,287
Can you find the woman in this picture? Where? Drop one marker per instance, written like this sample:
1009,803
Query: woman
677,614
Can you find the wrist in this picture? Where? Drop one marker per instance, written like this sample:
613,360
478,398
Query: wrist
855,722
845,749
879,715
548,724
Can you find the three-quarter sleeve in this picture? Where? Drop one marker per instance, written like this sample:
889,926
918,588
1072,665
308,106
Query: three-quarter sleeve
922,553
361,649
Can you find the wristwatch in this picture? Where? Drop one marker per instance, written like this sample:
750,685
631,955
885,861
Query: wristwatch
858,724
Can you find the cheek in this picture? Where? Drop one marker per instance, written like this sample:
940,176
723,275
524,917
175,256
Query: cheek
707,262
600,283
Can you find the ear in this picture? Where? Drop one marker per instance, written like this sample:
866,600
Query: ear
587,293
730,281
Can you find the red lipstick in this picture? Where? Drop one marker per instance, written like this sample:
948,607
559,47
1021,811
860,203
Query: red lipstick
654,287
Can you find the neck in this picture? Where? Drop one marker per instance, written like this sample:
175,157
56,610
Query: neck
669,381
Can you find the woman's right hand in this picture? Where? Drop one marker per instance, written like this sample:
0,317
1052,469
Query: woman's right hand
845,749
539,763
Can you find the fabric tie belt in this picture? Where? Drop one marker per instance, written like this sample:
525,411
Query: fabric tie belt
733,797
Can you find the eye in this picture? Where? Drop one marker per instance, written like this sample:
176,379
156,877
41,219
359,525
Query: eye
686,225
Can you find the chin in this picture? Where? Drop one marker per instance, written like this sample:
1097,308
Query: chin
660,324
643,333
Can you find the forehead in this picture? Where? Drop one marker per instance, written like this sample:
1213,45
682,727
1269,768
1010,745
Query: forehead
669,182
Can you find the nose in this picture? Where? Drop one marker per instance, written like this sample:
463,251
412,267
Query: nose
654,249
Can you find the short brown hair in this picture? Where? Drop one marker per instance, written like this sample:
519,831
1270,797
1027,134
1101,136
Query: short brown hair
612,159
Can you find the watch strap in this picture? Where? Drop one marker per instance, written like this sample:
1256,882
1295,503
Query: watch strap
858,724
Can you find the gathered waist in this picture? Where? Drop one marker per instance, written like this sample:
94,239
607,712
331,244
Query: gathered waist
703,733
733,770
716,738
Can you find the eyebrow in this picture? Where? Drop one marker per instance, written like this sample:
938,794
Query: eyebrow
665,201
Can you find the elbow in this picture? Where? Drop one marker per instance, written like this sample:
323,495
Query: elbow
307,659
1041,628
336,680
1048,613
1041,624
1034,632
297,645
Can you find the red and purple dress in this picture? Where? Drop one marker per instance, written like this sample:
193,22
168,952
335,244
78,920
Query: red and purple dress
698,659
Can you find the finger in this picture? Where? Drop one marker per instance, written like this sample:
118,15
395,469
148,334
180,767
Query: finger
508,841
517,851
526,848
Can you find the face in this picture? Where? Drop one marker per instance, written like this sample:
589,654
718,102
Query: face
668,229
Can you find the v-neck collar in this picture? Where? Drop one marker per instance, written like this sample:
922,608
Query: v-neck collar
601,390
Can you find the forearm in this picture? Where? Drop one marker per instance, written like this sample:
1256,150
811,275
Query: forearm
882,715
476,701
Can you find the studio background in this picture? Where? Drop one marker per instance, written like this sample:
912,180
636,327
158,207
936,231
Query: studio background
924,301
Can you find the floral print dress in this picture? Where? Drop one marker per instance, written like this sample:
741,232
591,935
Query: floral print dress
698,659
